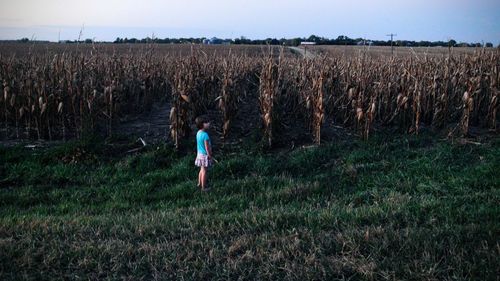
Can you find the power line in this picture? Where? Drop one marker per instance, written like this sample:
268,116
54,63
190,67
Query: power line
392,37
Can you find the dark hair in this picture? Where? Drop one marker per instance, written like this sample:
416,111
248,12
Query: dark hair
200,120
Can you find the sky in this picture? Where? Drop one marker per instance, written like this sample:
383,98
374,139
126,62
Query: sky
104,20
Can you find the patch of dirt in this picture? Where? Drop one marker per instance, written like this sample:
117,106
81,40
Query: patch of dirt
152,126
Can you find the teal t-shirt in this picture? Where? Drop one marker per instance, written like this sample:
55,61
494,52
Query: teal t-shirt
201,137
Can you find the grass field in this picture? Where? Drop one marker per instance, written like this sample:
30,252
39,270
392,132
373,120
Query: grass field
395,207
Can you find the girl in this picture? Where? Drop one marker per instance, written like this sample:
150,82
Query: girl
204,151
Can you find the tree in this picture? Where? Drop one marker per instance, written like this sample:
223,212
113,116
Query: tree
313,38
295,41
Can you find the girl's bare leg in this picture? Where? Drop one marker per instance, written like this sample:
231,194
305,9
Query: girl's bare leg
199,178
203,177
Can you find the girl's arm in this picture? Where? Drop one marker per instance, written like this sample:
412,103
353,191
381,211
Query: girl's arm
208,148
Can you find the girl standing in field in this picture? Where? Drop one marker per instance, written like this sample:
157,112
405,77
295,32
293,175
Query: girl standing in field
204,151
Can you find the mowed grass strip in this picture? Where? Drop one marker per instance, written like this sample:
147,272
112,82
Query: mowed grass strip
391,208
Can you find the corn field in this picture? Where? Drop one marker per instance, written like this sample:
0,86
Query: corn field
67,95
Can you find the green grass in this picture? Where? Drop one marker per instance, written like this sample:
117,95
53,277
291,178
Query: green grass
391,208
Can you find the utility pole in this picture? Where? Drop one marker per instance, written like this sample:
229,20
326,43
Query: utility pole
392,37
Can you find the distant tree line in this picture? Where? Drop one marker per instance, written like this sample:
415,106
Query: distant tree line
340,40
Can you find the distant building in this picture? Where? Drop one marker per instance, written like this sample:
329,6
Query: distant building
307,43
213,41
364,42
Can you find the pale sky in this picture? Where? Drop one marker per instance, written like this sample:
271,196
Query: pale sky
104,20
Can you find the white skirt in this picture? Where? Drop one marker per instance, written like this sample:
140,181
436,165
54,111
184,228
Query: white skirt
202,161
